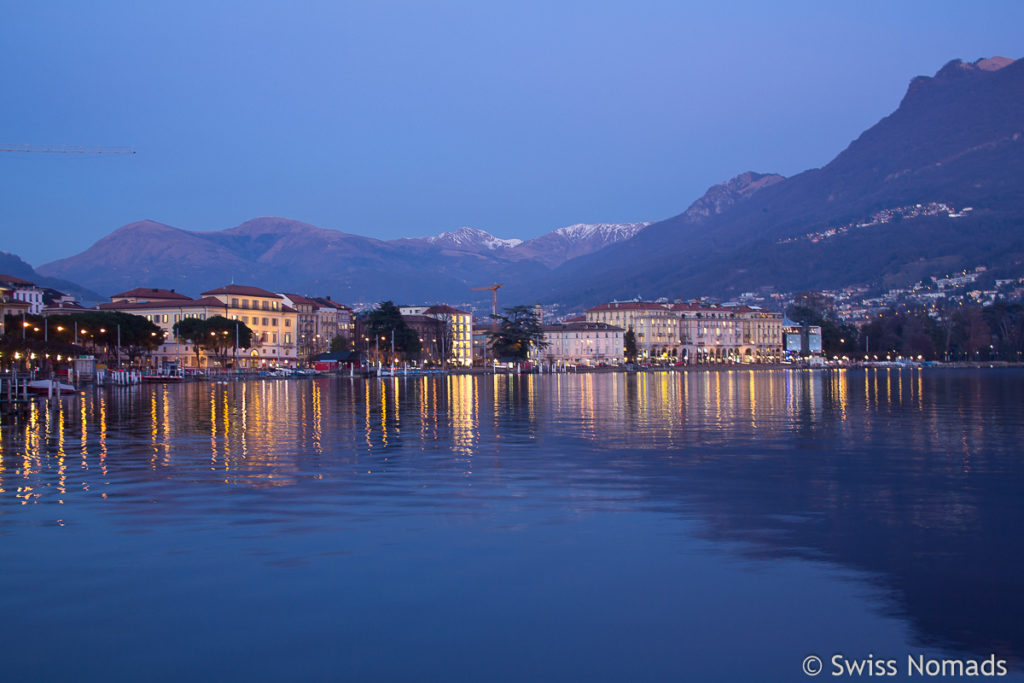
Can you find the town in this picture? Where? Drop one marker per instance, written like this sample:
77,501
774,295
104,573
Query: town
965,316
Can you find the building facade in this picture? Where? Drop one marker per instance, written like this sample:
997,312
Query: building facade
23,290
696,332
273,323
655,326
454,336
712,333
582,343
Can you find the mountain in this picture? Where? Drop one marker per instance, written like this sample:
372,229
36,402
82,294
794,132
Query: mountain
285,254
888,209
565,244
466,239
935,186
11,264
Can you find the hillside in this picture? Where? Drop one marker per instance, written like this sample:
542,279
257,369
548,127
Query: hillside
956,139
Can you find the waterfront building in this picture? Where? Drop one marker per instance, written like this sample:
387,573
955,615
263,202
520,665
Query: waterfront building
455,335
23,290
164,312
697,332
272,322
655,325
432,335
714,333
148,294
309,342
335,320
582,343
9,306
801,340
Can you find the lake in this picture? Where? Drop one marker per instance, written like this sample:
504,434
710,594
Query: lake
719,525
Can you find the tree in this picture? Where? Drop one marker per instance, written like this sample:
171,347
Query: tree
216,335
339,343
384,324
131,334
193,331
518,330
629,341
222,337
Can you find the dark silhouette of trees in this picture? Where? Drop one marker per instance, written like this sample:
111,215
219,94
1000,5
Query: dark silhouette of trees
629,344
519,329
384,324
216,335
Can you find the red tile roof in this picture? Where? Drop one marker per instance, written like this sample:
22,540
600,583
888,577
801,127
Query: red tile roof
304,300
205,302
581,325
629,306
15,280
242,290
152,293
445,309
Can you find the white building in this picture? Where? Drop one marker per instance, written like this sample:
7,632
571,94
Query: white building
582,343
23,290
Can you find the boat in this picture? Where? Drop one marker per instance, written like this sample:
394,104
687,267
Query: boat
46,387
152,377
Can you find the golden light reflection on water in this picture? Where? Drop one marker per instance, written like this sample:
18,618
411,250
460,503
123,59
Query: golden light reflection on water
266,433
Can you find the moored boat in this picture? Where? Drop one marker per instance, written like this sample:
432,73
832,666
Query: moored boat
46,387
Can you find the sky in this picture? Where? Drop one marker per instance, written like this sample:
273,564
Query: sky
400,119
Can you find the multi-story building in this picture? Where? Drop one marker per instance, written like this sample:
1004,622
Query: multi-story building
335,320
655,326
712,333
9,306
23,290
455,336
582,343
272,322
697,332
309,342
431,333
148,294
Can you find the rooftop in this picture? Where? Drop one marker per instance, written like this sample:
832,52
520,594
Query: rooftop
151,293
242,290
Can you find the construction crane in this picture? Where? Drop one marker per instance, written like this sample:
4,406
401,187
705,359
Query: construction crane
494,295
65,150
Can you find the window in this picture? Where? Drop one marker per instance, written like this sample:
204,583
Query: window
273,321
234,302
274,338
287,337
287,322
266,306
264,321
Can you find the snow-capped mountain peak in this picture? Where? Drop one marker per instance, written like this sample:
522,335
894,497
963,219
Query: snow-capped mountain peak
470,238
608,232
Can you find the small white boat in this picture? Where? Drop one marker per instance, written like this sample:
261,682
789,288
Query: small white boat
44,387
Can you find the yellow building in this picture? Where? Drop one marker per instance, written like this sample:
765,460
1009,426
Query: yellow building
655,326
273,324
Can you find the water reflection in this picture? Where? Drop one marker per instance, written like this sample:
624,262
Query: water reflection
910,476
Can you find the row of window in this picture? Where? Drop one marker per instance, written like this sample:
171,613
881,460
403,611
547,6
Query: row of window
266,322
264,305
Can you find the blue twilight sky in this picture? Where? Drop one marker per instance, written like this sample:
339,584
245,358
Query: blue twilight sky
409,118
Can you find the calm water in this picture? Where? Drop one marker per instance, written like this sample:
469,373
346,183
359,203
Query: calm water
691,526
